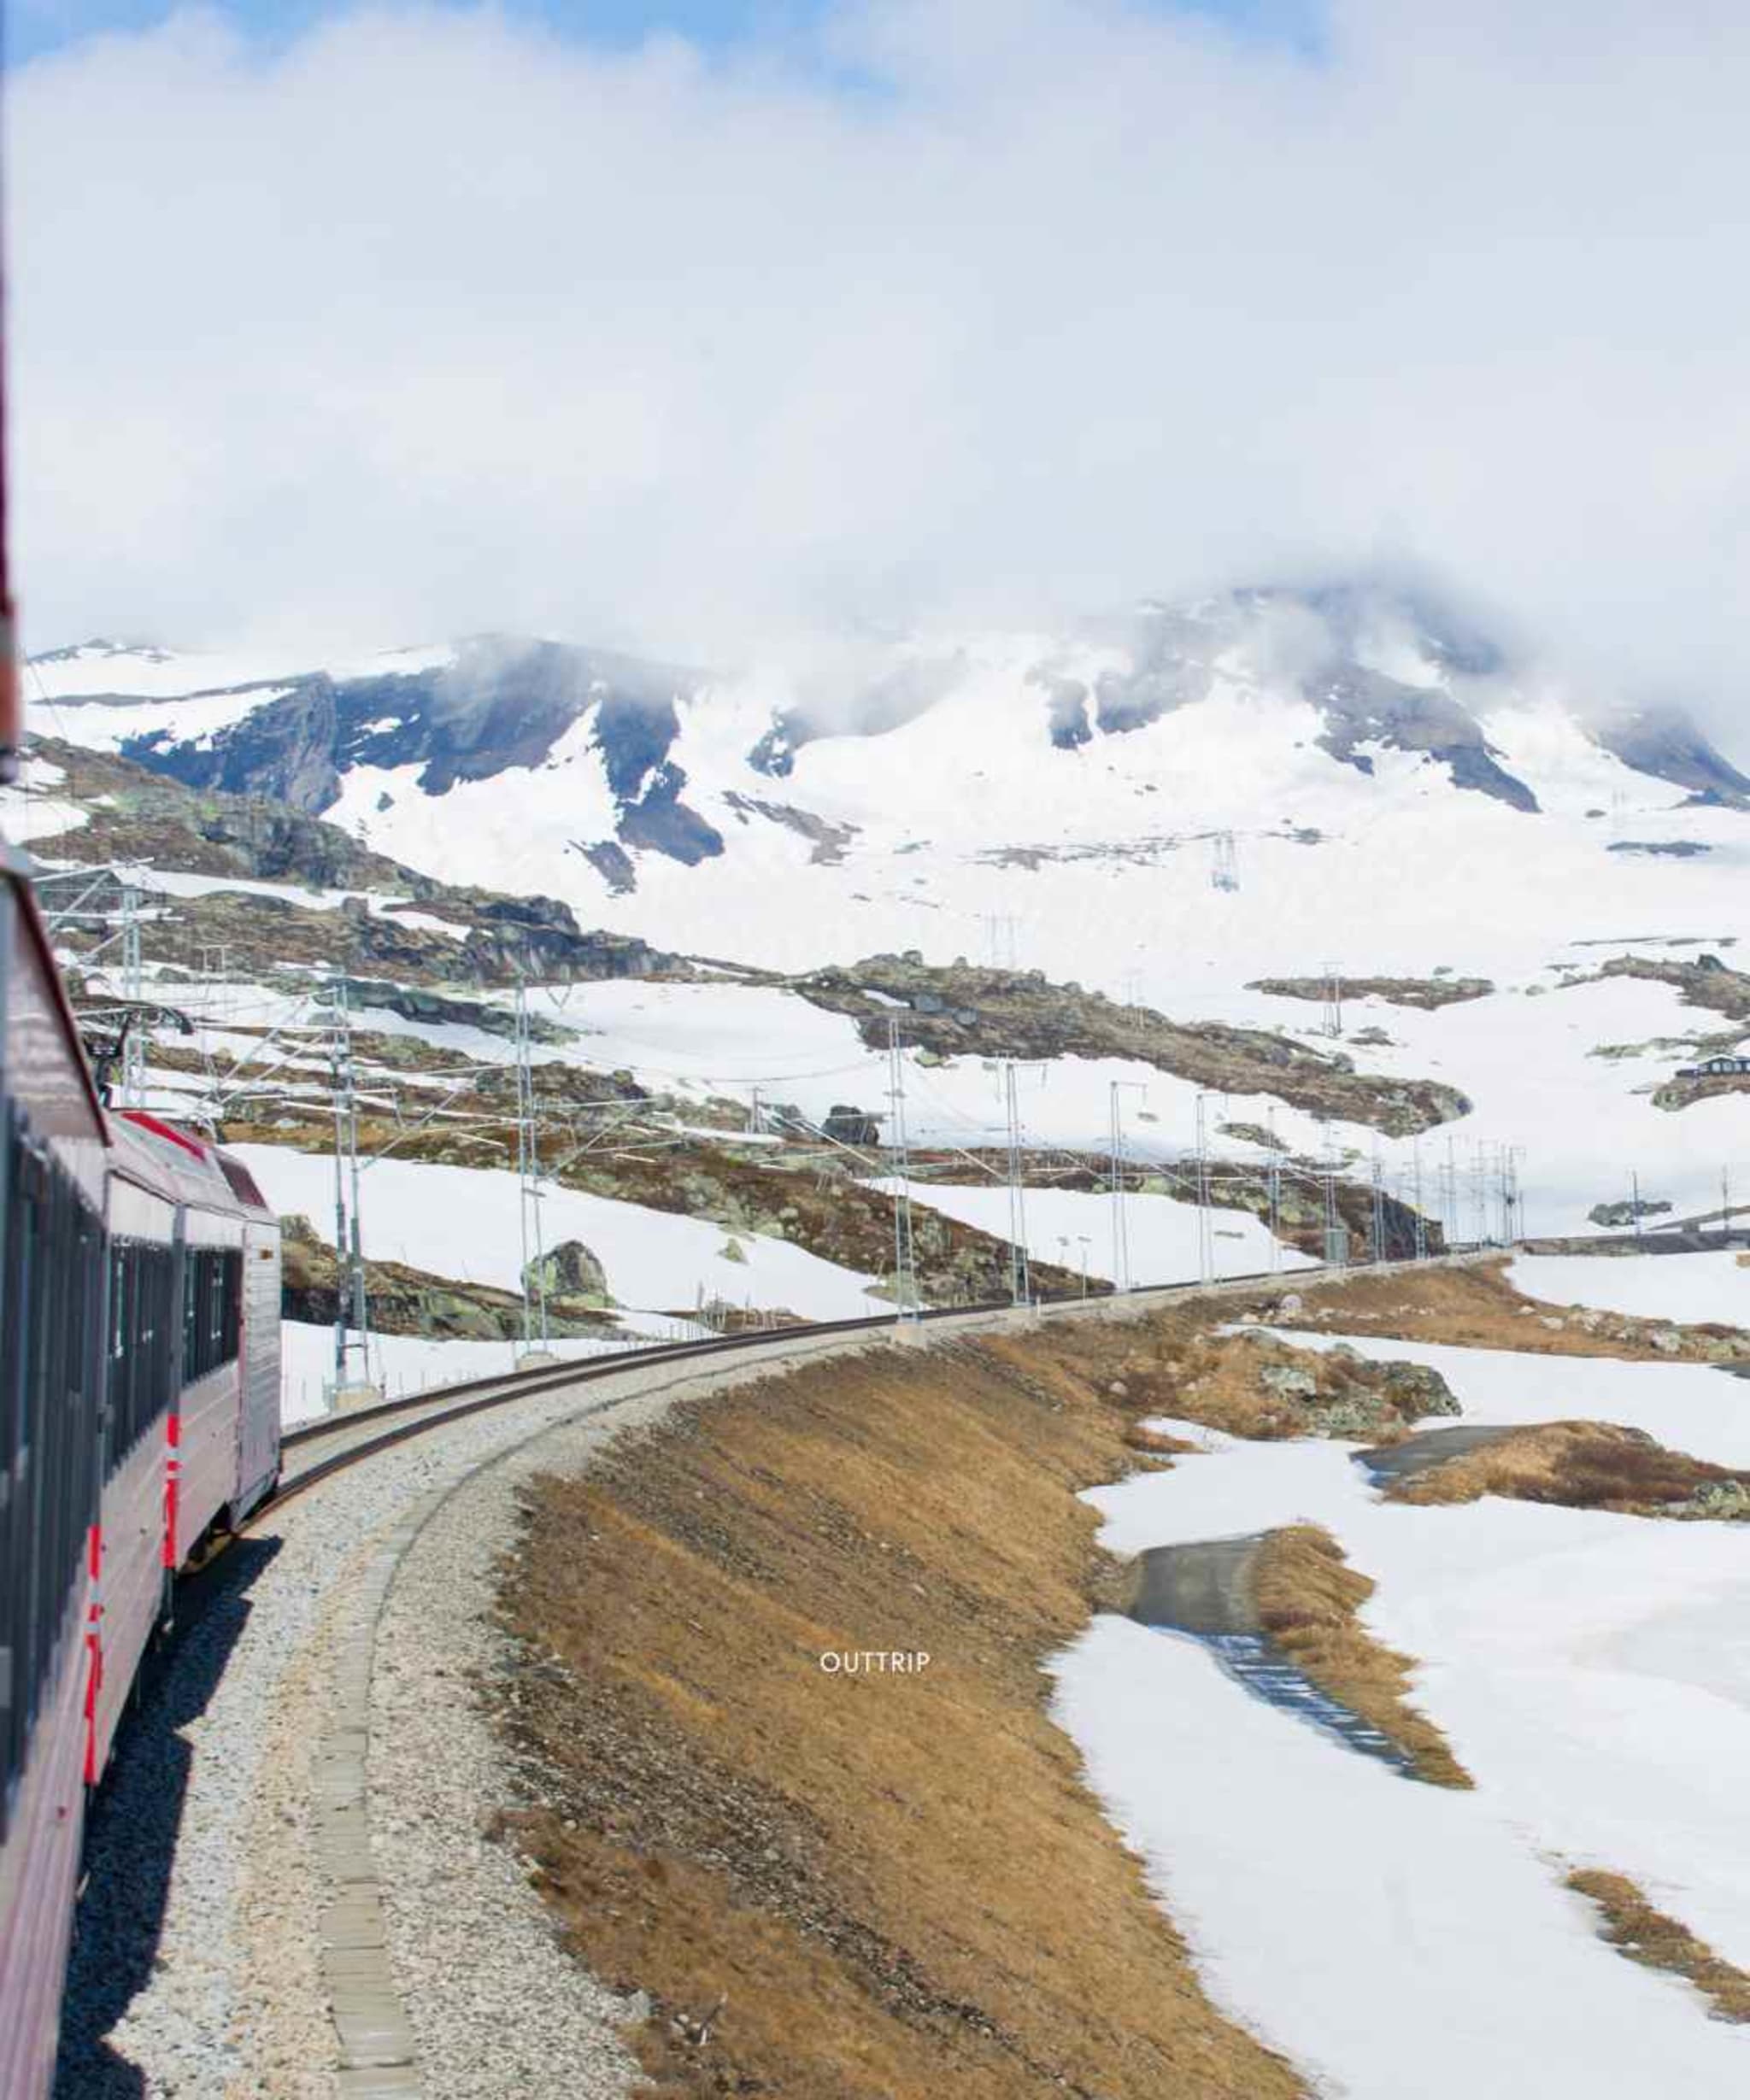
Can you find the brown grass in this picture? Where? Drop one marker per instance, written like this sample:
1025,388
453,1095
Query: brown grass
1308,1600
1170,1362
1635,1929
1154,1442
840,1887
1582,1465
1477,1307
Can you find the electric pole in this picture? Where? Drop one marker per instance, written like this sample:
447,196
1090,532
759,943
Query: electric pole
349,1243
1275,1195
1333,1000
1120,1217
906,1304
1020,1282
133,1050
528,1168
1336,1238
1205,1223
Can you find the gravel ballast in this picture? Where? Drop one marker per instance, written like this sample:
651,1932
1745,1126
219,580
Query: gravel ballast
195,1967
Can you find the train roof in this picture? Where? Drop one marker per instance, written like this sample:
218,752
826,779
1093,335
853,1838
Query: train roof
176,1164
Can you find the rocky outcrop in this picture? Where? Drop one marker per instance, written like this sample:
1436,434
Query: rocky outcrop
1611,1215
827,840
138,816
1427,993
1340,1393
1704,983
404,1300
960,1009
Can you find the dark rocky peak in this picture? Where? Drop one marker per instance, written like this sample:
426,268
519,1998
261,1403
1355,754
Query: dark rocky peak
1362,707
900,695
504,702
1172,652
286,749
1665,743
1066,711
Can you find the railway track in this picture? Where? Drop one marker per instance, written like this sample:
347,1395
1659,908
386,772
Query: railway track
367,1431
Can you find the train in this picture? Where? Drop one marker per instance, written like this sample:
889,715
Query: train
139,1423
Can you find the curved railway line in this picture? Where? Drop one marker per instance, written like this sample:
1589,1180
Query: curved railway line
366,1431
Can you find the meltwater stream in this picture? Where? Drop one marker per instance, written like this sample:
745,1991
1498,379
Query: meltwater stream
1204,1592
1256,1662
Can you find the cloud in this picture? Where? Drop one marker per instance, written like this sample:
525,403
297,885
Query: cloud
973,308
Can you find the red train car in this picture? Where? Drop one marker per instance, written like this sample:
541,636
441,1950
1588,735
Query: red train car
139,1417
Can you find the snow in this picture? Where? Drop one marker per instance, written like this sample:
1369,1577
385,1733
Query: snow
1390,1938
1591,1671
143,673
26,814
107,725
465,1223
1687,1288
140,671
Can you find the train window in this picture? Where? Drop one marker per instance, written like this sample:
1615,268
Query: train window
212,1297
142,1275
51,1289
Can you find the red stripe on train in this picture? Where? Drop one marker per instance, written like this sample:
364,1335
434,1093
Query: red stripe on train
94,1650
173,1475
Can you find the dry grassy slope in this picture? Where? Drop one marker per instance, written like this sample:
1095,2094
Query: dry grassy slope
891,1887
1173,1361
1476,1306
1584,1465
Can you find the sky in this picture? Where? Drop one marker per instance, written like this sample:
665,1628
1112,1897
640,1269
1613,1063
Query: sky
36,26
692,330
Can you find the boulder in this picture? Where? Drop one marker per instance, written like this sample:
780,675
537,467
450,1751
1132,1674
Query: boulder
572,1270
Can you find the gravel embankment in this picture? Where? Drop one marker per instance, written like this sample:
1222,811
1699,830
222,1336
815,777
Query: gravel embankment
194,1974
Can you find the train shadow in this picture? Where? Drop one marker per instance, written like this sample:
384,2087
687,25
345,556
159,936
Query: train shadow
132,1831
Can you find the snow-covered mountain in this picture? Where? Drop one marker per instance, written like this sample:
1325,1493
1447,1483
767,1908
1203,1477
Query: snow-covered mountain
1372,761
1186,807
